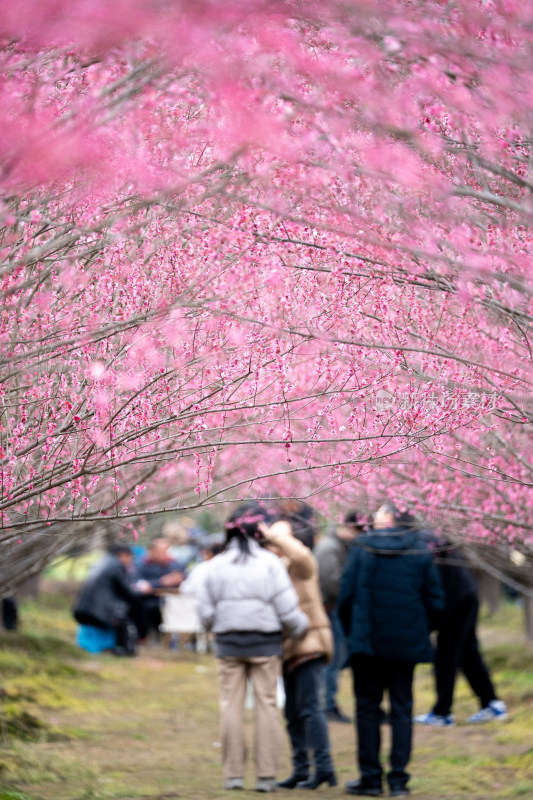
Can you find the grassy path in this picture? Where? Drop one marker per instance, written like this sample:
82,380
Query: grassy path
148,727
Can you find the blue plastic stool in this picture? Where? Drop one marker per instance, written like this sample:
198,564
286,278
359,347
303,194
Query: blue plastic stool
96,639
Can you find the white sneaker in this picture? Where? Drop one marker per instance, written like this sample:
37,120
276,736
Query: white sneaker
436,720
266,785
496,709
234,783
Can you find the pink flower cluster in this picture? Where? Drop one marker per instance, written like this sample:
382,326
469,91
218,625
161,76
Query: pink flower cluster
228,226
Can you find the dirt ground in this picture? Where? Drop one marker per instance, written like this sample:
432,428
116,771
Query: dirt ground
147,727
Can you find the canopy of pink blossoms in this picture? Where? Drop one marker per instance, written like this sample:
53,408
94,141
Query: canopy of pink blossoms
258,248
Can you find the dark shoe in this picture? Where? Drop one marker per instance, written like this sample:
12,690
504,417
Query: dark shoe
317,780
399,791
360,788
292,780
334,715
124,651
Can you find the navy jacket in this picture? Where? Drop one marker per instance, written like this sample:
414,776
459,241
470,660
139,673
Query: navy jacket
390,596
152,572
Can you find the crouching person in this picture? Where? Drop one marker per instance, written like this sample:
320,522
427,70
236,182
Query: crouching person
108,604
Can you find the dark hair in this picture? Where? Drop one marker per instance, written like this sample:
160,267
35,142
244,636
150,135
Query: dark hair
213,543
118,547
407,520
243,523
353,519
300,516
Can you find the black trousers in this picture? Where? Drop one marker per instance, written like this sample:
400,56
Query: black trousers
9,613
458,649
306,721
127,628
373,675
150,614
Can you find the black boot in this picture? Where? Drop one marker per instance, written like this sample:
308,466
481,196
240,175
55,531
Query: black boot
321,777
292,780
126,639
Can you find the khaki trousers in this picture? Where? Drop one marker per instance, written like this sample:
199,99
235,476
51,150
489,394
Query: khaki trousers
233,674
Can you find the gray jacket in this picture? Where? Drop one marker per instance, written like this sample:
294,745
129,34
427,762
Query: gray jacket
250,593
331,554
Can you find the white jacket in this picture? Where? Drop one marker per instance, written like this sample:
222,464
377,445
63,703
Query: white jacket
193,582
250,593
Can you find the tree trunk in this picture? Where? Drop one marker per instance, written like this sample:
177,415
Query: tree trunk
490,591
528,617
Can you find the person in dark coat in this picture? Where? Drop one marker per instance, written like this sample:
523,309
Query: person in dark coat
161,571
457,643
389,600
10,613
107,599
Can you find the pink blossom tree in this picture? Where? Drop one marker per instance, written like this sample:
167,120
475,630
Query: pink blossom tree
256,247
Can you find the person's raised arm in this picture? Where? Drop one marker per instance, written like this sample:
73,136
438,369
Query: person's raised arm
297,554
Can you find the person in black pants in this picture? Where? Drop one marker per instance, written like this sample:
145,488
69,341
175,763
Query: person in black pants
9,613
161,571
457,644
371,676
292,537
389,600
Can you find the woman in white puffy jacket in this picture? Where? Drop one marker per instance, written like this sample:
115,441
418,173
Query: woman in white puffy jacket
248,601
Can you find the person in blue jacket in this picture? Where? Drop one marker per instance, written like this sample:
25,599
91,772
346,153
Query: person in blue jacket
390,598
161,571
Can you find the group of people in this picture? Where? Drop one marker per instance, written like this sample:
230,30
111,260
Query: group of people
367,598
384,589
120,602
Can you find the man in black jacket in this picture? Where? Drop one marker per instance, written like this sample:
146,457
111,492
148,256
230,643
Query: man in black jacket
390,598
457,644
107,599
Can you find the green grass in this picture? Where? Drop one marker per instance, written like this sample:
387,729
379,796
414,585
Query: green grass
72,569
8,795
80,727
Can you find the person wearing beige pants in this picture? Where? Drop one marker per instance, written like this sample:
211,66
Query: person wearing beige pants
233,675
248,601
